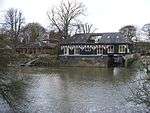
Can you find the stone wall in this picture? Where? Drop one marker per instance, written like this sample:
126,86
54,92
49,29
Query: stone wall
96,61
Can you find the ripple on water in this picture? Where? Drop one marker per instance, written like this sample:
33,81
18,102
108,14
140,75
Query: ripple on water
75,90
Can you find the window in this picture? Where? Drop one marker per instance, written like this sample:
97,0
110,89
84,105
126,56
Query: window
99,51
122,48
97,38
65,51
110,49
77,51
87,49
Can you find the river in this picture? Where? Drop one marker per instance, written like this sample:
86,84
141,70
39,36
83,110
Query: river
73,90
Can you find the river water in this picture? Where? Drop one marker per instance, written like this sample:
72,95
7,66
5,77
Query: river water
73,90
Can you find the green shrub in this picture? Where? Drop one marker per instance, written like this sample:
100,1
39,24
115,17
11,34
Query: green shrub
136,63
130,62
46,61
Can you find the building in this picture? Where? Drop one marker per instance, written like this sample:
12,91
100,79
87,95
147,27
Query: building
95,45
48,44
36,48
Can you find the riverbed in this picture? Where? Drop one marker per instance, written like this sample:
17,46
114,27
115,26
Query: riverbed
73,90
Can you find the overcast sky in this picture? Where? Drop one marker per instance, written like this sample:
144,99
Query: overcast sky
106,15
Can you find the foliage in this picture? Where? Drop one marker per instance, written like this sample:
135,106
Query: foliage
146,29
140,93
135,62
5,52
10,86
12,24
31,32
22,58
46,61
8,83
142,47
139,88
128,31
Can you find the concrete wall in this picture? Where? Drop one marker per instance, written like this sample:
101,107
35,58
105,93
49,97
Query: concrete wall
96,61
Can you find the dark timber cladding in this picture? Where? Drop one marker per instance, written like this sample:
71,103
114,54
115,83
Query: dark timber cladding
96,44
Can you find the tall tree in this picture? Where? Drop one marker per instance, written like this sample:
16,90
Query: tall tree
63,16
85,28
128,31
13,22
32,32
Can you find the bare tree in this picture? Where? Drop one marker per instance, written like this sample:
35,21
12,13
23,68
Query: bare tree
63,16
13,22
85,28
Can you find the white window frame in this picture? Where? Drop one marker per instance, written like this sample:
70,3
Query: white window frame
122,48
76,51
99,51
97,38
110,49
66,51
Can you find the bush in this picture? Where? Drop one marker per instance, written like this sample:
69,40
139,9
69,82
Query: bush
46,61
130,62
135,63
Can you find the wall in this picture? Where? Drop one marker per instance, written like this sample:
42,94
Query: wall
96,61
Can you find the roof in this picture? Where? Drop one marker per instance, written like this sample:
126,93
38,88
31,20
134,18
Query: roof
106,38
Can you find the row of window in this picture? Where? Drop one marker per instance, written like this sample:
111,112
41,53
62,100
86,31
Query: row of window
110,49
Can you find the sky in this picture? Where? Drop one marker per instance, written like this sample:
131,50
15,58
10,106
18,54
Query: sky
105,15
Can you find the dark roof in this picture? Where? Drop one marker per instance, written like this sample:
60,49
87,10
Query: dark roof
37,45
107,38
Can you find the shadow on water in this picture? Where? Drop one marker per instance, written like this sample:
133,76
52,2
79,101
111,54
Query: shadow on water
73,90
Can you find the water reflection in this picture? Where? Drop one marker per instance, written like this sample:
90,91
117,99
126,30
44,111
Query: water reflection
74,90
